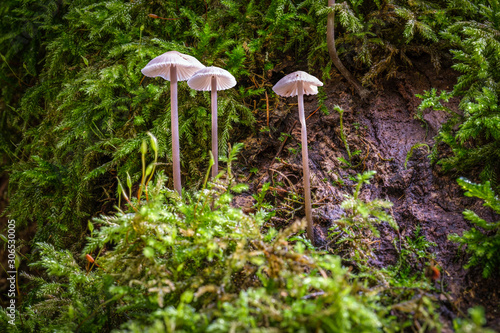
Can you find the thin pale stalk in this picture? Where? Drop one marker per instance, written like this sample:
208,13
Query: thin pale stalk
176,159
215,147
305,163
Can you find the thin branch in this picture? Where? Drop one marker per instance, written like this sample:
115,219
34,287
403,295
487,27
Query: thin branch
332,50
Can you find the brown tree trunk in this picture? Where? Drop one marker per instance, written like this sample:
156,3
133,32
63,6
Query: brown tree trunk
330,41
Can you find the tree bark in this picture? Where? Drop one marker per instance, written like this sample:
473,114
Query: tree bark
332,50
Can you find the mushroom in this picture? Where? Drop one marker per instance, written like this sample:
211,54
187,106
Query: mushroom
300,83
173,66
213,79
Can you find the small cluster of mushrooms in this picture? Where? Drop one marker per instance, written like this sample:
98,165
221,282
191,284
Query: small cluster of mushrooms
175,66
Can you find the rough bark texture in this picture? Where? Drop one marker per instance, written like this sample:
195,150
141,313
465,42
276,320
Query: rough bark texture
332,50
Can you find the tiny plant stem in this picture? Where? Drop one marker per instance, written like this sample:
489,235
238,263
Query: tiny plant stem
150,176
17,77
140,37
125,195
215,148
305,163
154,145
210,164
358,188
176,163
229,171
131,204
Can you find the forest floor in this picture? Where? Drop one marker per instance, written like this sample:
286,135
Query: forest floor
384,129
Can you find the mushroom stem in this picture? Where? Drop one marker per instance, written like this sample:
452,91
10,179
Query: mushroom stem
332,50
305,162
215,149
176,161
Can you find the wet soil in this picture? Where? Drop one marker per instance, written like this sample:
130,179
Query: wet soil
384,129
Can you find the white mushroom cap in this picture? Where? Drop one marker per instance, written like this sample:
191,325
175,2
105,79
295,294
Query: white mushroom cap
287,86
202,79
160,66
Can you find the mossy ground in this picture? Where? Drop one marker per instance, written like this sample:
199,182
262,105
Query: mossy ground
75,110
